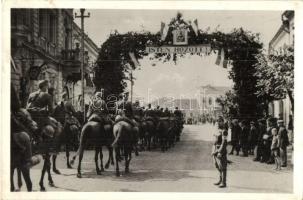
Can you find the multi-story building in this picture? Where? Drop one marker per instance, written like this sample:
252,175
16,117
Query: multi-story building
38,37
74,74
207,99
44,46
281,108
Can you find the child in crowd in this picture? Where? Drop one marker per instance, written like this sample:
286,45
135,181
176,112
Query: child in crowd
275,148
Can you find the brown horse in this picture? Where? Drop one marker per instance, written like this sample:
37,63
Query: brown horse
50,135
149,132
21,153
125,138
70,135
164,130
97,134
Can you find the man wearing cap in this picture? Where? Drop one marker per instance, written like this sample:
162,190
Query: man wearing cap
235,133
284,142
219,152
252,139
244,137
40,104
97,110
259,143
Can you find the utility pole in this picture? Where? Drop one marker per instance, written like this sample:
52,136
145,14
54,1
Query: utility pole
131,85
82,16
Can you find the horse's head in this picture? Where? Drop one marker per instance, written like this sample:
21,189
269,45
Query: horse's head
25,118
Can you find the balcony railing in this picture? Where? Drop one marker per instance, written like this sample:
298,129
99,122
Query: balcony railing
47,47
71,55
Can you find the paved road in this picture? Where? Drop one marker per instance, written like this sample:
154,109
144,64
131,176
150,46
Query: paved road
187,167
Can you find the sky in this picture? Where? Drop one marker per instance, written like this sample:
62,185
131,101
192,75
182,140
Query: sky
183,78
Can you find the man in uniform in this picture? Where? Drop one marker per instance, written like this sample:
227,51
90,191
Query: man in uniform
40,105
97,110
235,133
219,152
284,142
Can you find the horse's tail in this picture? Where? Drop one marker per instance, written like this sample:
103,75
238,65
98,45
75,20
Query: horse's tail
86,128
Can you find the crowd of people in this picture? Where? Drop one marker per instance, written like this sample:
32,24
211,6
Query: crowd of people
266,139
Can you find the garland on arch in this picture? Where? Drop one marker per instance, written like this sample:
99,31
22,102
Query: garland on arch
239,46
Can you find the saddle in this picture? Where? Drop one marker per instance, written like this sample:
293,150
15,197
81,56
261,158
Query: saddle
125,119
151,119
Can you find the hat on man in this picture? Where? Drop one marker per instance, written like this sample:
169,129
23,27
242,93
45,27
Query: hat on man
42,83
280,121
252,123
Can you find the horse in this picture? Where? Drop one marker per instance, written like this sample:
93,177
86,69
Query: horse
164,129
98,134
149,131
125,138
49,135
21,154
69,136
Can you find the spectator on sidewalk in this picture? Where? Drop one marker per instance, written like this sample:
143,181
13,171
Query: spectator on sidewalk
244,137
275,148
291,129
259,145
235,133
271,123
252,138
284,142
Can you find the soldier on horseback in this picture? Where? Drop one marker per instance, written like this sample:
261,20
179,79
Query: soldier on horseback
40,106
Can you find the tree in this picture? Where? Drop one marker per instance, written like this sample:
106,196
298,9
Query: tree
275,75
240,48
229,104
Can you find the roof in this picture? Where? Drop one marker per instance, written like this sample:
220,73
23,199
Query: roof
288,14
183,104
215,89
87,38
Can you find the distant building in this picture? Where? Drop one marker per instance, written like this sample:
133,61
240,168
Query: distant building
207,99
281,40
204,103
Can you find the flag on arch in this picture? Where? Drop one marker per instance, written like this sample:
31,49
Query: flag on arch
196,29
134,59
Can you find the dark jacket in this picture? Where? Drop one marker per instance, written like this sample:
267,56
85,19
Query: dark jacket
284,142
244,134
235,133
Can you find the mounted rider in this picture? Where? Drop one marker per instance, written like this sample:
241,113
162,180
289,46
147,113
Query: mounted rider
97,110
138,112
150,114
40,106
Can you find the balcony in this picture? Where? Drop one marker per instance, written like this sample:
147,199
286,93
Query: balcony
72,55
47,47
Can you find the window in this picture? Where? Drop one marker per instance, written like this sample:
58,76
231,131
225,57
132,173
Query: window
48,24
52,27
42,22
20,17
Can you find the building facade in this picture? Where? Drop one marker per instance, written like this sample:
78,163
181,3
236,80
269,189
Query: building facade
284,38
74,74
38,37
207,99
43,46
